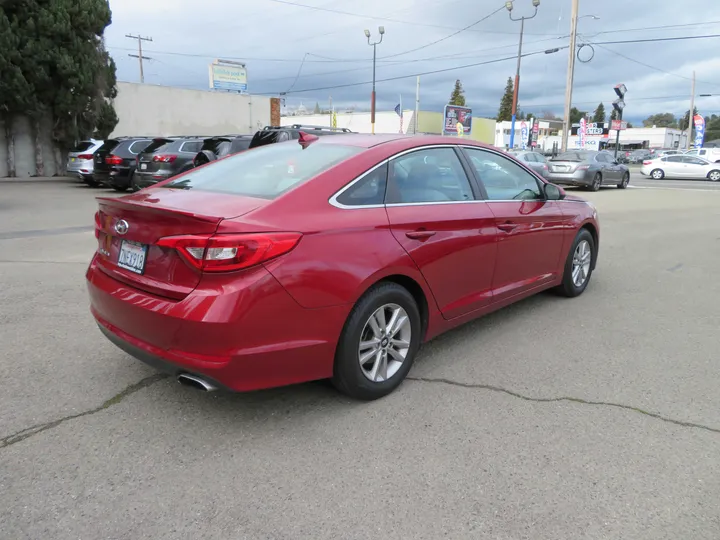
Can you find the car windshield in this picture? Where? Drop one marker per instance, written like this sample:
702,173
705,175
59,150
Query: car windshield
266,172
571,156
82,146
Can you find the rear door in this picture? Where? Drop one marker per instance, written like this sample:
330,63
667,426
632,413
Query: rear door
146,164
531,230
695,167
674,166
436,216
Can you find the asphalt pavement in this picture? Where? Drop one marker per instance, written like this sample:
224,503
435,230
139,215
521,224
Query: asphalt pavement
591,418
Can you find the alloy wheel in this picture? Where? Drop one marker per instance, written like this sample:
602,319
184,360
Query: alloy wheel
384,342
582,259
657,174
714,176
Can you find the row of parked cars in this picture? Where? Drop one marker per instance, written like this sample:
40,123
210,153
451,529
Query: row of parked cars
132,163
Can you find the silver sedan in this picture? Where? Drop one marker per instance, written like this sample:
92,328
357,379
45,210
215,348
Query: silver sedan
587,169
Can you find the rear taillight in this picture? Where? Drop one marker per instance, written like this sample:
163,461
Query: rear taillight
229,252
98,225
647,162
583,167
85,156
545,167
165,158
113,160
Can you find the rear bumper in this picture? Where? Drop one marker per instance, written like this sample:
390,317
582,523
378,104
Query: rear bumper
579,178
243,334
147,179
84,167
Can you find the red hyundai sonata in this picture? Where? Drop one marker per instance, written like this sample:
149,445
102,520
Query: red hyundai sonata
331,258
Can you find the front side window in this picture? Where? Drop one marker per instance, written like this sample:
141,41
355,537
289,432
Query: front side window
138,146
265,172
191,146
369,190
429,175
675,159
503,179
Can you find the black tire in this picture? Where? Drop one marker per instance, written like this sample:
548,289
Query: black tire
596,183
568,287
348,375
657,174
625,181
120,189
714,175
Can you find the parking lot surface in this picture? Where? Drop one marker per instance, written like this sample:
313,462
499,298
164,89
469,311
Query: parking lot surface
591,418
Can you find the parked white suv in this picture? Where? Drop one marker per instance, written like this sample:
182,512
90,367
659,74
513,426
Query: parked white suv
80,159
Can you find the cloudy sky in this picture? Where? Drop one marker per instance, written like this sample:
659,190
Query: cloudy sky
315,50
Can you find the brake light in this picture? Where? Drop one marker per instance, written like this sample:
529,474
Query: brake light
98,225
545,167
583,167
85,156
113,160
165,158
647,162
230,252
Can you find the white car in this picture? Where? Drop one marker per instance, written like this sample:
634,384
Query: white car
681,166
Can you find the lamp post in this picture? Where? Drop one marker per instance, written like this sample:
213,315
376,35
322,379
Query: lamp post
509,7
571,70
374,44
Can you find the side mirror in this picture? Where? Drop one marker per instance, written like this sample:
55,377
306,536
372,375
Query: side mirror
554,193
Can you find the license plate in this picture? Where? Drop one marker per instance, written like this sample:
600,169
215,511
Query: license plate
72,159
143,166
132,256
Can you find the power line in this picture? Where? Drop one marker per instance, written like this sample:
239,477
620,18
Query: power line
389,19
461,30
663,27
139,55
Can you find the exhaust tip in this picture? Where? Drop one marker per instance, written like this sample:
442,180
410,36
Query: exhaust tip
196,382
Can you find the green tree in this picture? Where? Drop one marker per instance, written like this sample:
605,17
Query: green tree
58,48
614,115
685,120
576,115
505,112
458,95
599,114
660,120
712,128
317,108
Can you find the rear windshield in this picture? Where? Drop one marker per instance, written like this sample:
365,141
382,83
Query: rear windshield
109,145
138,146
571,156
265,172
82,146
158,145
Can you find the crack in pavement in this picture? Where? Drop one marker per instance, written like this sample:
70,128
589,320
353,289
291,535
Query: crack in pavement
565,398
117,398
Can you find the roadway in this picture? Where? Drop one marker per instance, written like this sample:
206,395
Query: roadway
591,418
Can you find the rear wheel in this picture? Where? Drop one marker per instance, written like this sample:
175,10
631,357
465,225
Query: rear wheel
120,189
657,174
625,181
378,344
596,182
578,266
714,176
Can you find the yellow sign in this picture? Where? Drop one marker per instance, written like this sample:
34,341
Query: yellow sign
460,129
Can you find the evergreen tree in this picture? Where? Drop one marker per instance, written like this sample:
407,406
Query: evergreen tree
505,112
458,95
599,114
660,120
317,108
614,115
56,48
576,115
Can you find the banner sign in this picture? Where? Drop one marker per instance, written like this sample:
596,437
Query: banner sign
456,117
582,131
535,132
618,125
228,77
523,134
699,122
592,129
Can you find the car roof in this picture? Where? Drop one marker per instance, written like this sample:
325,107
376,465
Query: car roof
398,141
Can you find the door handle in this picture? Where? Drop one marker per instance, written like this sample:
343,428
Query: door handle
508,226
419,235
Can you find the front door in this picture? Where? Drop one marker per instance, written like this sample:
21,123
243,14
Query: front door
531,230
450,234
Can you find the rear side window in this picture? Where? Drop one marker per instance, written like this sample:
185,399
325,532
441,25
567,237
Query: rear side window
191,146
238,145
158,145
109,145
265,172
138,146
82,146
369,190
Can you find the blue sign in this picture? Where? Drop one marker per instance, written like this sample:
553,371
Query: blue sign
524,134
699,122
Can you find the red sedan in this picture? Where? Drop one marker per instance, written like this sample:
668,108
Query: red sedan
329,258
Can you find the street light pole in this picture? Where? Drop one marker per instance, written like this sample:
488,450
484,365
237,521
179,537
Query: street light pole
509,7
374,45
691,115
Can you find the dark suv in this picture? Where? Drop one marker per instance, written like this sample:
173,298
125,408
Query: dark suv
116,159
274,134
218,147
164,158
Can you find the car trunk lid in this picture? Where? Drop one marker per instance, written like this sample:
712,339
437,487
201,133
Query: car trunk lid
146,158
128,229
563,166
102,153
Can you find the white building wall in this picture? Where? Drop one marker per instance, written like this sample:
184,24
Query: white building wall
385,121
146,109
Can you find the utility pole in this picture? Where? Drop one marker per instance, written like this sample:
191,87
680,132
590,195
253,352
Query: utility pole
570,73
374,45
690,116
417,104
139,55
